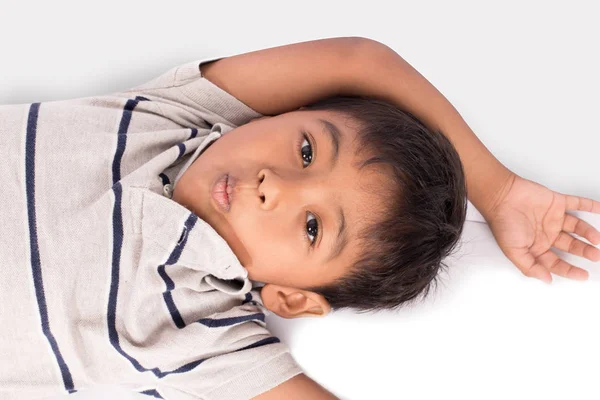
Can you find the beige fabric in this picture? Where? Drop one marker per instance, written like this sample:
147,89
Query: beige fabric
105,279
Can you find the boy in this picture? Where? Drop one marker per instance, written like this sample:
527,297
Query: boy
138,265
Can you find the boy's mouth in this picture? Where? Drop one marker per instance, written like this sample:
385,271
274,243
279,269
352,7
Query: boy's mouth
222,192
230,185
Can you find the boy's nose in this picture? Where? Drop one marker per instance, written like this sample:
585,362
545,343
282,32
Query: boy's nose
272,189
269,188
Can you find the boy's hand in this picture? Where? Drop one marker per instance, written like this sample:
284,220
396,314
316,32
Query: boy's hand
530,218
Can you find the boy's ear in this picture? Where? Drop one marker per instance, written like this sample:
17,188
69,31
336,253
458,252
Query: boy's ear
290,302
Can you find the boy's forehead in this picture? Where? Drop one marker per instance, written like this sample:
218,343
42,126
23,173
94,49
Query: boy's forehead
335,117
334,124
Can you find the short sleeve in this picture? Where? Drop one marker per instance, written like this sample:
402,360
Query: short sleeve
183,94
259,362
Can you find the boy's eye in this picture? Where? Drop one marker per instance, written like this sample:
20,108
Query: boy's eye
311,228
306,151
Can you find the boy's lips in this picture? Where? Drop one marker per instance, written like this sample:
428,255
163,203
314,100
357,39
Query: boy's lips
231,181
222,192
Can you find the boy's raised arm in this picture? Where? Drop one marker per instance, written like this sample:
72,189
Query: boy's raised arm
281,79
300,387
285,78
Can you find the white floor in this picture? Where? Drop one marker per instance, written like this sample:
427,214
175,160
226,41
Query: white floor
523,74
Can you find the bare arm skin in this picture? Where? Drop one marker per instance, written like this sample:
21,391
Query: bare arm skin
300,387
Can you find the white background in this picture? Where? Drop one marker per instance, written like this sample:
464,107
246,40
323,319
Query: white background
523,74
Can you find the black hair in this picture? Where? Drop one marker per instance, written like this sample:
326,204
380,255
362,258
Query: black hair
402,250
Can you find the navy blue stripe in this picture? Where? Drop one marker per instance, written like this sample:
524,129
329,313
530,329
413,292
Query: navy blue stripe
183,235
114,283
122,139
194,133
248,299
194,364
173,258
122,136
117,220
262,342
152,392
168,282
216,323
181,150
36,265
175,315
165,179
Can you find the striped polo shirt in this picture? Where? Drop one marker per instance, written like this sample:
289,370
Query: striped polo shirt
105,279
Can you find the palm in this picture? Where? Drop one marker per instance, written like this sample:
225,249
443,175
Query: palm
530,219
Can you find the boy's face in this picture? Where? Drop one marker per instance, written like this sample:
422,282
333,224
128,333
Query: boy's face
286,194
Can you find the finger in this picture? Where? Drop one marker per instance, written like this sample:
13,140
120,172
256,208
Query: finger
576,225
527,264
568,243
561,267
582,204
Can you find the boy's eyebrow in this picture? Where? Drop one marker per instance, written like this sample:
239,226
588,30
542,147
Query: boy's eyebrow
334,135
342,238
